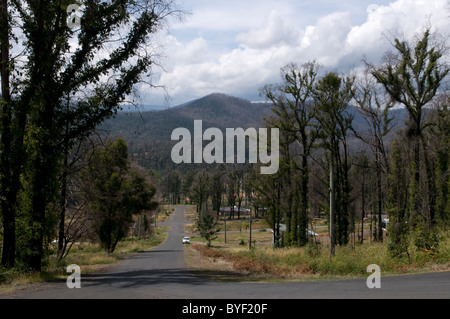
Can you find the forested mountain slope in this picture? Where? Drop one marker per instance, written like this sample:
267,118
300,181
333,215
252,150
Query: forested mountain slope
148,134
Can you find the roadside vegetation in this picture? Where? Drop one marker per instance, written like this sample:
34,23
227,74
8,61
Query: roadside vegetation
70,194
234,261
380,175
53,98
89,256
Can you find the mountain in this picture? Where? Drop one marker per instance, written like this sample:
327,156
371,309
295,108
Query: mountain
215,110
148,134
143,108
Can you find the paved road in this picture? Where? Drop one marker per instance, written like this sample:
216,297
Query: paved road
162,273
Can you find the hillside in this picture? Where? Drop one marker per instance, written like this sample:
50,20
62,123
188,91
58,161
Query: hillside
148,134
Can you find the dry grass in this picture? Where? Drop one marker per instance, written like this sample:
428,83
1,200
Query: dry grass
234,262
236,265
164,213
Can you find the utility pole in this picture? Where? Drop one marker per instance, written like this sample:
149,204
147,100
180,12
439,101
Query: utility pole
332,207
250,236
225,220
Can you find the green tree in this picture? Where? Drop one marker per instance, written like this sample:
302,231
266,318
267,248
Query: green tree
238,181
439,140
332,95
398,201
12,117
115,192
200,192
412,78
207,226
60,92
217,189
231,190
295,117
186,183
172,187
267,190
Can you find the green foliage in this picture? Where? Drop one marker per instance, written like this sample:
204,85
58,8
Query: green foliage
48,113
312,250
333,94
442,180
417,183
207,226
294,116
413,79
398,243
200,191
217,188
171,187
426,239
441,134
114,192
398,202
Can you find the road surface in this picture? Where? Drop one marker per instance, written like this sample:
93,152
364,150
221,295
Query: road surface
162,273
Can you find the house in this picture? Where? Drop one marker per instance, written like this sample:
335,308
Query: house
242,211
282,228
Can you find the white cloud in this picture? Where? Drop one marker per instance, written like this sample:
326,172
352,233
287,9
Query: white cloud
266,39
193,52
276,30
328,38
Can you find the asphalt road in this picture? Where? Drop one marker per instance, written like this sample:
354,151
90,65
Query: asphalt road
161,273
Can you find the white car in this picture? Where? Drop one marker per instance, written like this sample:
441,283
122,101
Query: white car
186,240
311,233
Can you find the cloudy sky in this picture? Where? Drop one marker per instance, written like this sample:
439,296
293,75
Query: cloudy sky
237,46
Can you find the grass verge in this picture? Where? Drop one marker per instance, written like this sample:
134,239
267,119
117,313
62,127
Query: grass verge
233,262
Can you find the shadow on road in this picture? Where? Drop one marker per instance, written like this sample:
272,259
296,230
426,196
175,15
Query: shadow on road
142,278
